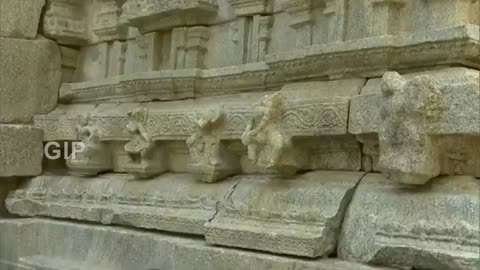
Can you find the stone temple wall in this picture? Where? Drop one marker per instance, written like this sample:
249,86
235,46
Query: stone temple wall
239,134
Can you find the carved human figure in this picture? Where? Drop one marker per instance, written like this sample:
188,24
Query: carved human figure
408,154
95,158
140,145
210,157
267,144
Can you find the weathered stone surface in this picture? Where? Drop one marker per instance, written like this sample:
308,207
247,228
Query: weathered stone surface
7,184
171,202
459,106
409,112
57,245
30,78
431,227
21,150
299,216
20,18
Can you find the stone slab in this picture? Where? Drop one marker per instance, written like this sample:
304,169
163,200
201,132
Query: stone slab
300,216
20,18
21,150
170,202
31,74
53,243
435,226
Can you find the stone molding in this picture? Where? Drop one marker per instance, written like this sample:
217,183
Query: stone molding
377,54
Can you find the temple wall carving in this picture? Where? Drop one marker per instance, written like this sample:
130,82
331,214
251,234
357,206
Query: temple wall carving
335,134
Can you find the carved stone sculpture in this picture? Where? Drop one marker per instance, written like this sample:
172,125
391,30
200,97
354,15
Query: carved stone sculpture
211,158
268,145
408,154
144,160
96,157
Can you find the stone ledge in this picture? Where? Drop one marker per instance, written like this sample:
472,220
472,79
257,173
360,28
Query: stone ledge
111,247
430,227
300,216
171,202
375,55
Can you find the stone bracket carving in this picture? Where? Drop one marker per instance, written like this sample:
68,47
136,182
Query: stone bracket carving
211,158
96,157
269,145
408,154
144,159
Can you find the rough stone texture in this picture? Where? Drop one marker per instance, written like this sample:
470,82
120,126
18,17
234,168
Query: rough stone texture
7,184
21,150
48,244
30,78
266,99
300,216
20,18
171,202
431,227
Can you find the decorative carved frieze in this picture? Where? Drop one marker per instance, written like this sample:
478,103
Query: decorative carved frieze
306,114
251,7
211,158
95,157
144,159
158,15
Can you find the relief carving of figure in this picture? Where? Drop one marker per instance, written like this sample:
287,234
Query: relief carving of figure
408,154
95,158
267,145
143,160
210,157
